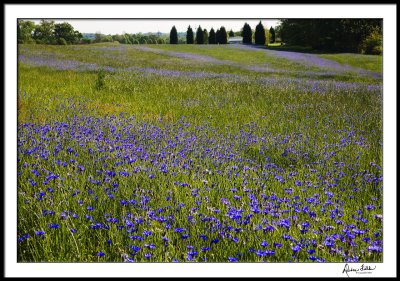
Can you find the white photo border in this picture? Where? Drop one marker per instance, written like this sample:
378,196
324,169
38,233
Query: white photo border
14,11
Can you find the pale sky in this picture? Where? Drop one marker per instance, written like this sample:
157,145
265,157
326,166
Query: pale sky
116,26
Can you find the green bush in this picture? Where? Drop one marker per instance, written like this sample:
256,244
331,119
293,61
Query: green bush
86,41
62,41
372,45
100,80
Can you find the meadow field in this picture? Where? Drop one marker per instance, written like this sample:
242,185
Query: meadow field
198,153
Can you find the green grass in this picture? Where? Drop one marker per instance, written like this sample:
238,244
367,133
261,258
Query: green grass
368,62
248,123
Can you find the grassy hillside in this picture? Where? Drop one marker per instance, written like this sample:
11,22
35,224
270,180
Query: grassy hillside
198,153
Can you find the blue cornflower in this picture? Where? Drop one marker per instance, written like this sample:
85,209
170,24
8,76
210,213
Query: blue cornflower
232,259
370,207
296,249
298,183
185,236
235,239
40,232
180,229
358,231
204,237
374,248
311,251
261,253
338,221
140,238
101,254
54,225
305,224
147,233
123,173
73,230
277,245
329,242
150,246
135,248
25,236
351,259
264,244
205,248
148,255
286,236
32,182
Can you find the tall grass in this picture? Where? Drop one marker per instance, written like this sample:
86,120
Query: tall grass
131,155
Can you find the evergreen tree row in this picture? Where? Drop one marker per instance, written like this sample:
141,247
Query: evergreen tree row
261,36
202,36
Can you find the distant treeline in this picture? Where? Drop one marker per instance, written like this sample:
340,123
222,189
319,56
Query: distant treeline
126,38
341,35
49,32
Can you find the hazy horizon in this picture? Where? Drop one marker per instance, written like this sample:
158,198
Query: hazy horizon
118,26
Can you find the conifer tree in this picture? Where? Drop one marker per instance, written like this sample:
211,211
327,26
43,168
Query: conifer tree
211,37
199,36
189,35
259,35
217,36
247,34
272,33
223,36
173,36
205,36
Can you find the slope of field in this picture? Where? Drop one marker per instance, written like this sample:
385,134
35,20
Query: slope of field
160,153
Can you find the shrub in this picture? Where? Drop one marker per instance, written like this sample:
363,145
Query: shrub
62,41
100,80
372,44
